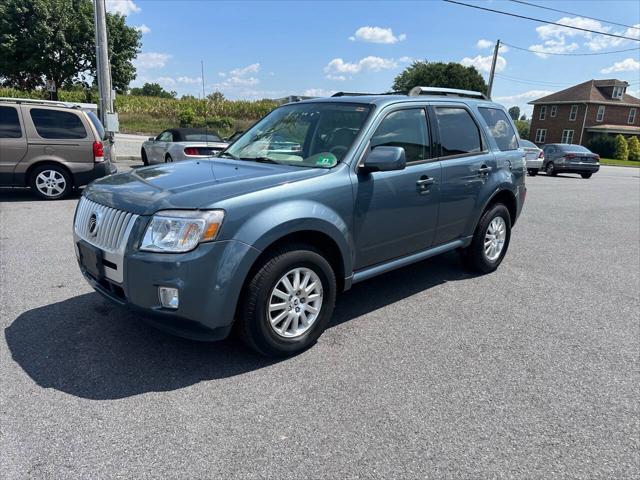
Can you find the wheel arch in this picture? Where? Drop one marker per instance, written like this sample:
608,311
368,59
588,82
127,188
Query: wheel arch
40,163
506,197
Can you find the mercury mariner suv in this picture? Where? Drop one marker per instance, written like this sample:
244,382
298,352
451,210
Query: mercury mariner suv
317,196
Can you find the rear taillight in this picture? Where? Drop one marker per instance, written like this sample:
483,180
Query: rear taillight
98,152
541,154
191,151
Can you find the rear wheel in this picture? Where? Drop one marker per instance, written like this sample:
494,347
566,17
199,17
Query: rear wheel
533,172
167,158
586,175
490,240
51,182
288,302
550,169
143,154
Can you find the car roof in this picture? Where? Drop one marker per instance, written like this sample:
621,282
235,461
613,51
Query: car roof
384,100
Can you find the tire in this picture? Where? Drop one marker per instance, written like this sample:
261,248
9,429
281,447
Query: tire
168,159
255,321
145,160
533,172
475,255
586,175
50,182
550,169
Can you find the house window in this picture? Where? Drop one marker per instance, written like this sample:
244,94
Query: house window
554,110
573,114
567,136
618,92
541,135
600,115
632,116
543,112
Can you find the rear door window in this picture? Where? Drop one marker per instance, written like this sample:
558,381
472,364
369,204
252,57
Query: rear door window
57,124
459,133
407,129
500,128
9,123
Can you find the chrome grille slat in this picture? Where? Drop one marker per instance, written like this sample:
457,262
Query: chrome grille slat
113,229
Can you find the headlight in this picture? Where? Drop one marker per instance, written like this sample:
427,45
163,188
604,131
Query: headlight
181,230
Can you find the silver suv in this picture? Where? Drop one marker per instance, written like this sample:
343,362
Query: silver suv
51,147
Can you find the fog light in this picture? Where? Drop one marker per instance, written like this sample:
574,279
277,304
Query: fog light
169,297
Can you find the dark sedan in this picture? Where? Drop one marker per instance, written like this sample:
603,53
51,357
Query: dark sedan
567,158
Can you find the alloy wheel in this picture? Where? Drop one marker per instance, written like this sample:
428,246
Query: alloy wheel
495,238
50,183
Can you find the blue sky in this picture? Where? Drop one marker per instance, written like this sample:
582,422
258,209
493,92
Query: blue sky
272,49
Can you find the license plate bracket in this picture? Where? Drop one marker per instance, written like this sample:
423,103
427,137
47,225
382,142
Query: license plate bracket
91,259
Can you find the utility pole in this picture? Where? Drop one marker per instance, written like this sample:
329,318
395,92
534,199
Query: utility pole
103,67
493,68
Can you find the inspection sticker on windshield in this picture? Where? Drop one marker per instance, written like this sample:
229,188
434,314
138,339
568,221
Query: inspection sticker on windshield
326,160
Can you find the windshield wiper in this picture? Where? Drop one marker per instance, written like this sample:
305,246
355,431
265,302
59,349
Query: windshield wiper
260,159
228,155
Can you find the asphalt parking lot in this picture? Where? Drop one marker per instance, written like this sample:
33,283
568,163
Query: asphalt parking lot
426,372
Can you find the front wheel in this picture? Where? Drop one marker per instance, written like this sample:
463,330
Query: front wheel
143,154
586,175
288,302
490,241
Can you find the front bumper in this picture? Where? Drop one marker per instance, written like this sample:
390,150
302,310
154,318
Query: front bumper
209,279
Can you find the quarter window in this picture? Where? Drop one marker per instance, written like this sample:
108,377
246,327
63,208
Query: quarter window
543,112
57,124
9,123
554,110
567,136
600,114
459,134
541,135
500,128
406,129
573,114
632,116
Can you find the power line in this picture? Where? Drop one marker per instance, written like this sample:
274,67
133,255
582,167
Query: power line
533,82
541,21
569,54
577,14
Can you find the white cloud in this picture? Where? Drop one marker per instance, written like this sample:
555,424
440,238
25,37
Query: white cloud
482,44
483,63
123,7
189,80
553,46
318,92
143,29
338,78
626,65
377,35
165,81
151,60
242,71
405,59
337,67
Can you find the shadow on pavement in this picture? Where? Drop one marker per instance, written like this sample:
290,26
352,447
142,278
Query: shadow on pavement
20,194
89,348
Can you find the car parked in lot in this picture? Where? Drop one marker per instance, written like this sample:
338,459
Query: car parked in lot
265,238
177,144
569,158
534,156
51,147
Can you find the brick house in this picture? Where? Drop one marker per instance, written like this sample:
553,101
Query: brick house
578,113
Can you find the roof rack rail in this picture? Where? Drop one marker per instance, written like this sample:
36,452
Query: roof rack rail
448,92
38,101
360,94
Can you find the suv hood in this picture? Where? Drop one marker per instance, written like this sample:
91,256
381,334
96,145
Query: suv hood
191,184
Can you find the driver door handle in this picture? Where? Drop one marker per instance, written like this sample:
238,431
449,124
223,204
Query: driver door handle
483,170
424,183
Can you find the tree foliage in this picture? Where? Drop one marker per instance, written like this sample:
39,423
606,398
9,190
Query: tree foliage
634,148
439,74
55,40
514,112
622,149
603,145
523,127
152,90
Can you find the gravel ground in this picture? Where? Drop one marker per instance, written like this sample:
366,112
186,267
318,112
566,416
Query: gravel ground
426,372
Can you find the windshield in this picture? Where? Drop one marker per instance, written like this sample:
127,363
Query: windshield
306,134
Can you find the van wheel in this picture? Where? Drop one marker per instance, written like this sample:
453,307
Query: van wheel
490,241
288,302
145,160
50,182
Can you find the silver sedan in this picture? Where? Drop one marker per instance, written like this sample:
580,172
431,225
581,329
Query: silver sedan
534,156
177,144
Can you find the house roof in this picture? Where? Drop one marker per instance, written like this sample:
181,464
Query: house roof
588,92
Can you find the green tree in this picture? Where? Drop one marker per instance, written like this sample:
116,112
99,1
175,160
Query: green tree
523,116
55,40
634,148
439,74
622,149
514,112
216,96
523,127
152,90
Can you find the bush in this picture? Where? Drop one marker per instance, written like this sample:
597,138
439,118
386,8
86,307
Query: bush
622,149
634,148
186,117
523,127
603,145
220,123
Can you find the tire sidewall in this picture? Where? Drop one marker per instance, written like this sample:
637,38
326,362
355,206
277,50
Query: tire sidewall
67,178
480,258
265,338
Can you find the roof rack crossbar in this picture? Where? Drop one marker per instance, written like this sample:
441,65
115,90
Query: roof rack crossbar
38,101
453,92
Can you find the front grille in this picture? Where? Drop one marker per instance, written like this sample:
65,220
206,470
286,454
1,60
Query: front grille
112,228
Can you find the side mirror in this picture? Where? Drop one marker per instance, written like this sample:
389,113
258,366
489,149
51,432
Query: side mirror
384,159
152,139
